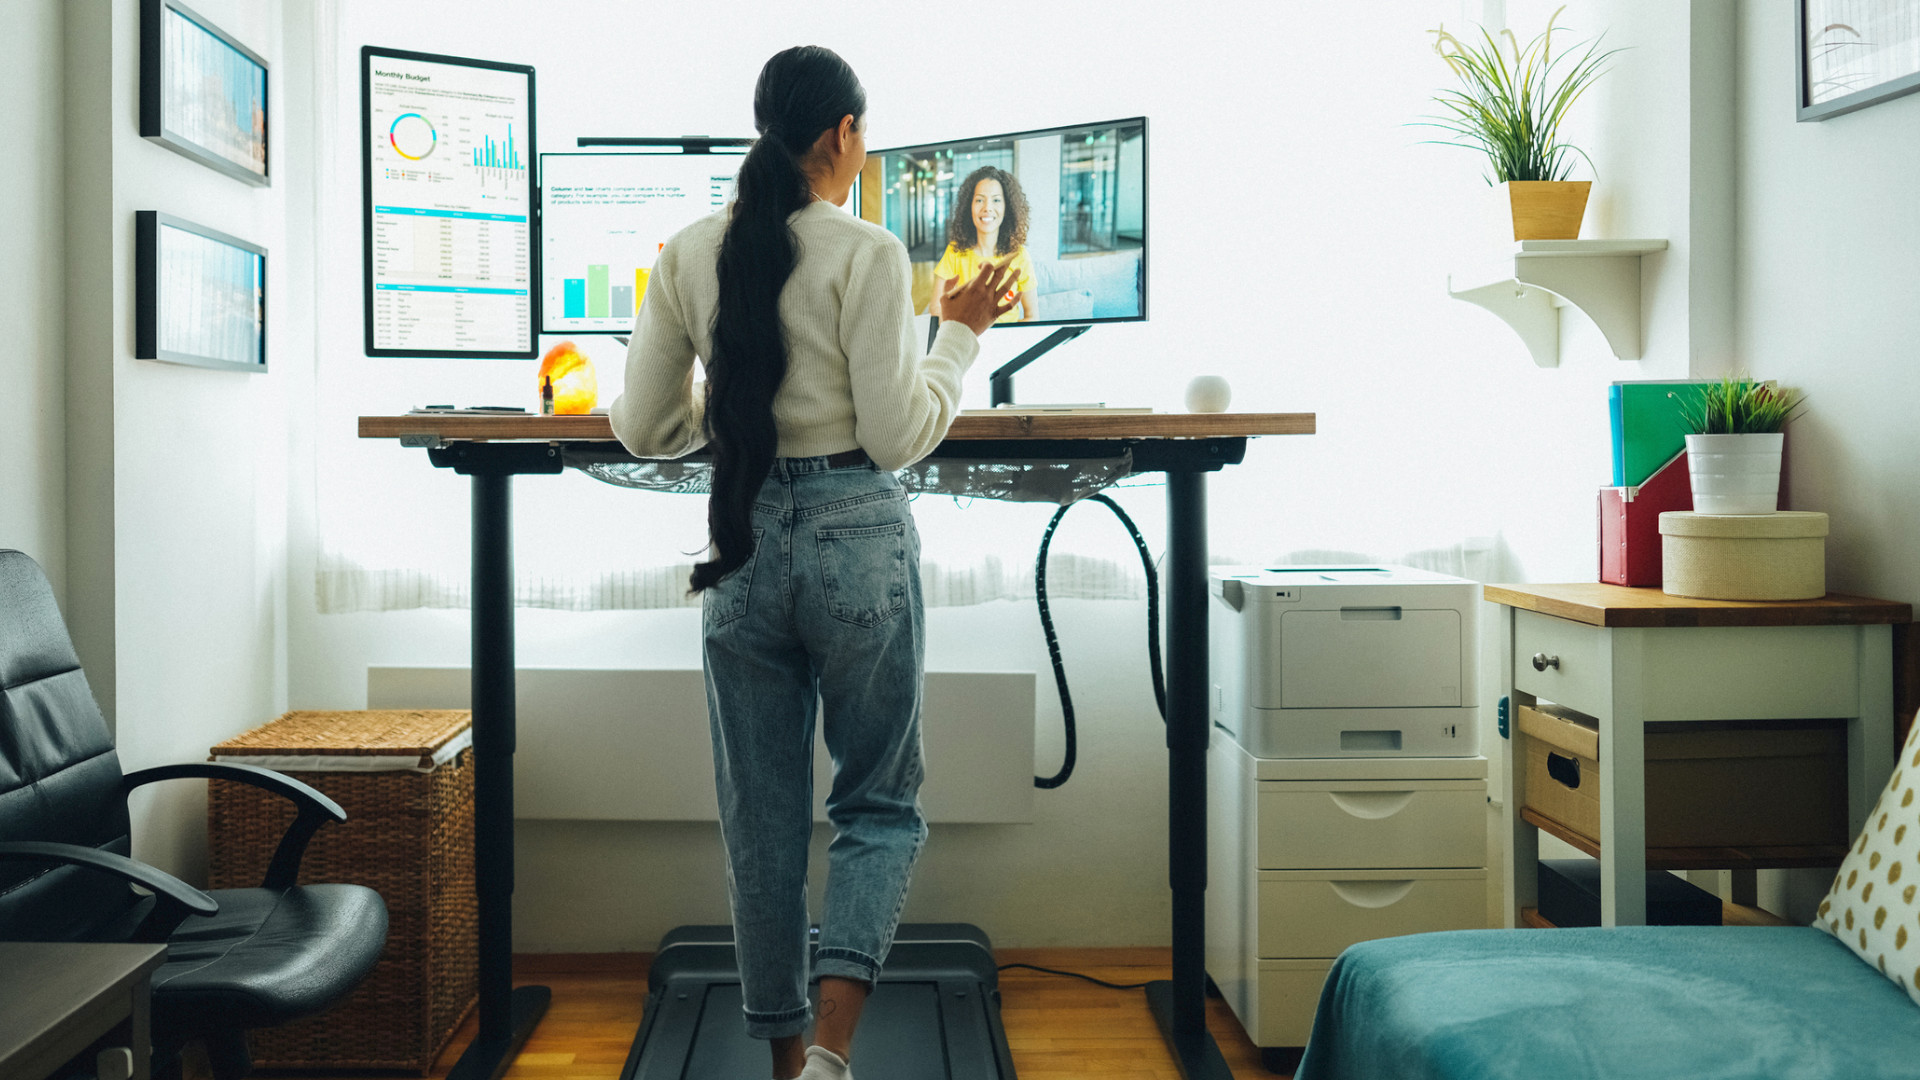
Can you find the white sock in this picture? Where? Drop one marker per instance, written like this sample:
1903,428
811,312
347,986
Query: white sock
824,1064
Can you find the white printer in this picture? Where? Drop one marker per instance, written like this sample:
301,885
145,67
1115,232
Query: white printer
1345,661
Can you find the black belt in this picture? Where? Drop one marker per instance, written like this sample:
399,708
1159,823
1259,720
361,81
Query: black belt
845,458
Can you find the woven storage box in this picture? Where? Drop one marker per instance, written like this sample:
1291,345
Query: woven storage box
408,835
1779,556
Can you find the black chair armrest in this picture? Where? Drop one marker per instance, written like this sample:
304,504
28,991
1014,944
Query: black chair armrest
266,779
174,899
314,808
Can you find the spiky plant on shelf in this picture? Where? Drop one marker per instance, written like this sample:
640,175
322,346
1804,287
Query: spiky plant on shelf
1509,104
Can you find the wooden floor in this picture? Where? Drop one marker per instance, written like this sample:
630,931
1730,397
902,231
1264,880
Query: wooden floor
1058,1027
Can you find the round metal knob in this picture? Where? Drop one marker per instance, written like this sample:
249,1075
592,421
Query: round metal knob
1541,661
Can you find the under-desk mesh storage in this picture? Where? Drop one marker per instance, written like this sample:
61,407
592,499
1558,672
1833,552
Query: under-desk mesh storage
408,836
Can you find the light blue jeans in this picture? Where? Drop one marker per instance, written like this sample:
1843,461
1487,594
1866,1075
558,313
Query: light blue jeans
827,612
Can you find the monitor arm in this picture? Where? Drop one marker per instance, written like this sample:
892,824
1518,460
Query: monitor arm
1002,379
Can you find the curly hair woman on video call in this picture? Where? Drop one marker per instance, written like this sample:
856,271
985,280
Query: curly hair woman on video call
988,225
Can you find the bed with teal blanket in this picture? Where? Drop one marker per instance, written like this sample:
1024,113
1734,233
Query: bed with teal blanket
1706,1002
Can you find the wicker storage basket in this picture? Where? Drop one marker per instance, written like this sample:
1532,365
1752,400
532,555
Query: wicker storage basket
408,835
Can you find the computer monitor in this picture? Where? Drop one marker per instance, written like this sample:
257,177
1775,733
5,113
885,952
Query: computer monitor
447,205
1068,204
603,220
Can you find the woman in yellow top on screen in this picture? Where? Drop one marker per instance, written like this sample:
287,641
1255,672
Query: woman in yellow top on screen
988,225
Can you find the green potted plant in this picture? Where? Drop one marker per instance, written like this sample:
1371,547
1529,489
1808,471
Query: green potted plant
1735,442
1509,105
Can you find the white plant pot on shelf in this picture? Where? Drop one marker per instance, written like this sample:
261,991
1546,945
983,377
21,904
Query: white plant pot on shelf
1735,474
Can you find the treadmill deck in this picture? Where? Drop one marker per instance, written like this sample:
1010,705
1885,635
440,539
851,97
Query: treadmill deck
934,1015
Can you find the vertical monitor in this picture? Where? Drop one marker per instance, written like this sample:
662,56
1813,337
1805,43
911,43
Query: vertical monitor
1068,205
603,220
447,150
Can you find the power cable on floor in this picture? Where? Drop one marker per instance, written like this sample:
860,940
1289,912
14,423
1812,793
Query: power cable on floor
1077,975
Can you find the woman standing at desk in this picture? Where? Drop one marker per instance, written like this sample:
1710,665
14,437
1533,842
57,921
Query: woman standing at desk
816,391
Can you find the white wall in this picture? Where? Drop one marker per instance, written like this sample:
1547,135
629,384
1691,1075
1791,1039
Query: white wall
95,304
1828,297
177,474
32,319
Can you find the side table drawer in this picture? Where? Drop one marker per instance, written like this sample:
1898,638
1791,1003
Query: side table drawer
1577,681
1367,824
1317,913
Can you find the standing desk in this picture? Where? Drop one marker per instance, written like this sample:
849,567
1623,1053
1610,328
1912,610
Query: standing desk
1185,447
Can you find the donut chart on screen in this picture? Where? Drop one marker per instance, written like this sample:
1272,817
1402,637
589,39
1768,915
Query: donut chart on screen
413,136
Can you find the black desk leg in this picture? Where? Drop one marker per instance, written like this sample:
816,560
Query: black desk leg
507,1015
1180,1006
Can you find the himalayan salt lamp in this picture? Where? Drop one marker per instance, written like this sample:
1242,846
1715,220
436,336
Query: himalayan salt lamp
575,390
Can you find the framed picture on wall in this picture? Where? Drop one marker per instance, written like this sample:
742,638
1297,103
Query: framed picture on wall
200,296
202,93
1855,53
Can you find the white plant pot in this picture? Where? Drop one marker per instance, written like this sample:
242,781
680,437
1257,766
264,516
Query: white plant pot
1735,474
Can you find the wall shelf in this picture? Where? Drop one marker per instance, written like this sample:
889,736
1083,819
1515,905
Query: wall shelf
1599,277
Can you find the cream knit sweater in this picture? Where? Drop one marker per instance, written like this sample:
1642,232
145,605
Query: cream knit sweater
855,373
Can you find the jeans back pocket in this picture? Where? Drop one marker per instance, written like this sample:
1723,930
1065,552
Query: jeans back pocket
726,600
864,572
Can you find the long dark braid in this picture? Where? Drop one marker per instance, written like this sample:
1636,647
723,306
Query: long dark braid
802,92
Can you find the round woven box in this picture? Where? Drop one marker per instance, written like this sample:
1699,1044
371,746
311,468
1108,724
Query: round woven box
1779,556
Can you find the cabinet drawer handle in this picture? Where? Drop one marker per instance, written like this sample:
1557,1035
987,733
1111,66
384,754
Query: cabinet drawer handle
1564,769
1541,662
1371,805
1372,894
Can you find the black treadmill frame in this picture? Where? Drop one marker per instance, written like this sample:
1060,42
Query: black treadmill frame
957,958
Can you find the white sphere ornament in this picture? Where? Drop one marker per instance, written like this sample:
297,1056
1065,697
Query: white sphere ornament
1208,393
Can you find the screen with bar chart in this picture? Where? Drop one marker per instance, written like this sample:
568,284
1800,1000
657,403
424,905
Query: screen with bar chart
603,219
450,249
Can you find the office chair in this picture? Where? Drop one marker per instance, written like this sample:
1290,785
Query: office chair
236,958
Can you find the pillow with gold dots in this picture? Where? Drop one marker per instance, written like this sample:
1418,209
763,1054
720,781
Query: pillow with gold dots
1874,904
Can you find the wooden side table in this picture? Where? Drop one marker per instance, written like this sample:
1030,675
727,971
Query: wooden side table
56,1000
1630,657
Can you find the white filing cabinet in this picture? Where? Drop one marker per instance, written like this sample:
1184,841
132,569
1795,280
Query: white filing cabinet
1306,856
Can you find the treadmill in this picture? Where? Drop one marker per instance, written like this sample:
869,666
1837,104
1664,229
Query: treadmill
933,1015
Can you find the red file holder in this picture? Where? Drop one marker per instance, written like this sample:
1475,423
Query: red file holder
1630,524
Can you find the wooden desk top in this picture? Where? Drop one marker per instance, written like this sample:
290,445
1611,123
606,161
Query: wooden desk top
1616,605
1015,426
48,996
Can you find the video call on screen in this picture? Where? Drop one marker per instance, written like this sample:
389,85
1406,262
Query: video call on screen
1067,207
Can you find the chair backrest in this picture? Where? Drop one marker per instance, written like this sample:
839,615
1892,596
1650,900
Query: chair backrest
60,779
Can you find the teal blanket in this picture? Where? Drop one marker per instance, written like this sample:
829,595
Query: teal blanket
1700,1002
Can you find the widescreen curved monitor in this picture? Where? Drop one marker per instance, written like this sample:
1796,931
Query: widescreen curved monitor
1068,205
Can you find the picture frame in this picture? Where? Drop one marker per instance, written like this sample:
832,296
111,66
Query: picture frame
1854,53
202,93
200,296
